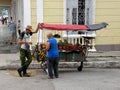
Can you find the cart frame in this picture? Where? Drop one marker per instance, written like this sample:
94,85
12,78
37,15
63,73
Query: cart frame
82,50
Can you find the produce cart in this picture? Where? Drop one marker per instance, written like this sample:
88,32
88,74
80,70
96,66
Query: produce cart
68,52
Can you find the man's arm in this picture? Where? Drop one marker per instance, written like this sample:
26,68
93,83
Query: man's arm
36,29
47,46
21,42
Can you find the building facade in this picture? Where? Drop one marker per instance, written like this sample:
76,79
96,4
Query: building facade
108,11
87,12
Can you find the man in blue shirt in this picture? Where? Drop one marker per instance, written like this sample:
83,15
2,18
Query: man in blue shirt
52,55
12,27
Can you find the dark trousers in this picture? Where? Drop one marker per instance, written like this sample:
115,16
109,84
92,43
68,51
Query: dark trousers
19,32
25,57
52,64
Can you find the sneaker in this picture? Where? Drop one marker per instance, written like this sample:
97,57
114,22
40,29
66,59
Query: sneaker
11,43
56,77
26,75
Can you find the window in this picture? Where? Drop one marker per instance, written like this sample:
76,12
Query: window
80,12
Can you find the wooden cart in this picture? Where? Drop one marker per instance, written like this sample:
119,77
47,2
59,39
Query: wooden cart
68,52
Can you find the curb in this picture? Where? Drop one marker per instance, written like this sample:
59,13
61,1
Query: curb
90,64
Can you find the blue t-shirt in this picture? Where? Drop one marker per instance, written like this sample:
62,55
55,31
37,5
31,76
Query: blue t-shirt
12,27
53,50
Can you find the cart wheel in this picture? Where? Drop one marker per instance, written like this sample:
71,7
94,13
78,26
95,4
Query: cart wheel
79,68
44,67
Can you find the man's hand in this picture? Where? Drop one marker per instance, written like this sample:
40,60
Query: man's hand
47,44
29,42
40,25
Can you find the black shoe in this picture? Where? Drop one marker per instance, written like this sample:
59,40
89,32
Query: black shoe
19,72
56,77
26,75
11,43
50,77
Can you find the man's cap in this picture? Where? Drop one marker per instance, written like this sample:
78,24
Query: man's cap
29,27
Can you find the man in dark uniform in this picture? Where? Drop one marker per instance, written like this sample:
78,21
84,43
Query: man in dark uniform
25,54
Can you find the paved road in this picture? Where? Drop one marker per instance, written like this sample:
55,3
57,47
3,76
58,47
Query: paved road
88,79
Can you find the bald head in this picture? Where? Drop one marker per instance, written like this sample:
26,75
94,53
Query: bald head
49,35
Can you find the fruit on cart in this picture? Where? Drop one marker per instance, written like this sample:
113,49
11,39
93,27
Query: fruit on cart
33,58
64,46
60,44
60,47
73,47
65,41
68,46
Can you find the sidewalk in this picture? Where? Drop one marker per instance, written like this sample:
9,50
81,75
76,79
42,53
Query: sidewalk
105,54
109,59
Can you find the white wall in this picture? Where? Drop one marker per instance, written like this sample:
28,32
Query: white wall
40,18
91,5
90,18
13,9
26,13
19,12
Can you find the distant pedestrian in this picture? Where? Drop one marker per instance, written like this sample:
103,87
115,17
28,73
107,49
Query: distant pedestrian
52,55
12,27
5,20
2,20
11,19
19,27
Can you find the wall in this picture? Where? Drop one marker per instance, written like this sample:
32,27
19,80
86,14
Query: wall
108,11
5,2
53,13
34,19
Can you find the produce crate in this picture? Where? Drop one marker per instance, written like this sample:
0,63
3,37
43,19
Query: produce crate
70,56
